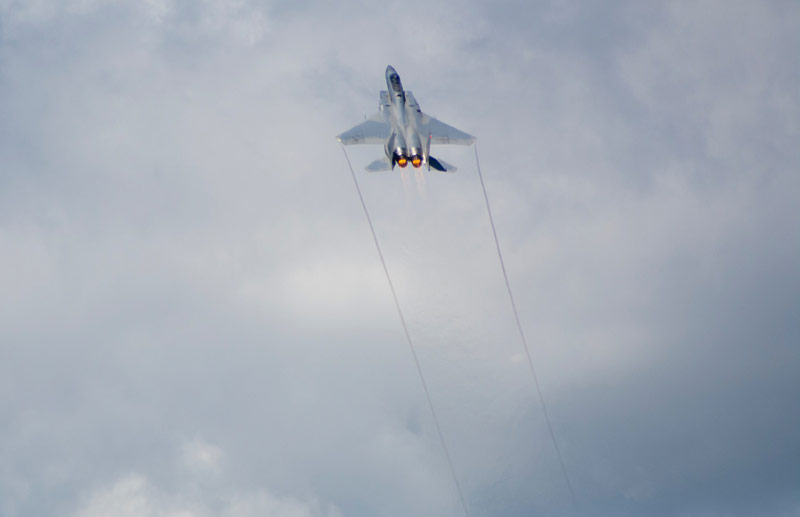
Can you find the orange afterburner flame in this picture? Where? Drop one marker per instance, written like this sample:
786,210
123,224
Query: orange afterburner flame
402,162
416,161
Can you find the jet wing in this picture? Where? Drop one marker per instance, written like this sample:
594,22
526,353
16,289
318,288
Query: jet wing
441,133
374,130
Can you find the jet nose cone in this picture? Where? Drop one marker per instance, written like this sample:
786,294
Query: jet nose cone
390,70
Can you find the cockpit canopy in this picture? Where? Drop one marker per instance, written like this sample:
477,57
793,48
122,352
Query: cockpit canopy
396,85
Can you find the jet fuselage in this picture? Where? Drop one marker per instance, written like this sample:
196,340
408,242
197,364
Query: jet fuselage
405,142
404,130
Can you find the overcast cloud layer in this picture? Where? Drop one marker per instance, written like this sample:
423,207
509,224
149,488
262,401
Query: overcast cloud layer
194,320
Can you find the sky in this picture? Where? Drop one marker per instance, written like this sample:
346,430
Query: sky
194,320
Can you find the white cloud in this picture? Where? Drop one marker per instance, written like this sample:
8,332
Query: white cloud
129,497
199,455
182,254
135,496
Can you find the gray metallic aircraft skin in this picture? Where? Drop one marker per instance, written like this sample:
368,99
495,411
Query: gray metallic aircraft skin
404,130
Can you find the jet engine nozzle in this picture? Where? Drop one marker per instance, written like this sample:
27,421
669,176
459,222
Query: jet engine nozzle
416,161
401,157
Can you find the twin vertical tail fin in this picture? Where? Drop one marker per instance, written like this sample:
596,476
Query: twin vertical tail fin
439,165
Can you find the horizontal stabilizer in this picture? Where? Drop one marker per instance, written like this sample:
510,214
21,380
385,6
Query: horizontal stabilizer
379,165
441,165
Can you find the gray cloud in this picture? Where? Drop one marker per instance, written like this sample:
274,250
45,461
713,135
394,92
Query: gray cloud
193,319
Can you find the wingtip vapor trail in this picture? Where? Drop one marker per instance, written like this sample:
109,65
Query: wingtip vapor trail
409,341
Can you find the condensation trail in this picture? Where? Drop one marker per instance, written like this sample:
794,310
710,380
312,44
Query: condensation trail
405,180
419,176
408,338
522,337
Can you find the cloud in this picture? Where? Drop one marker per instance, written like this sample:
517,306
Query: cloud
193,320
135,496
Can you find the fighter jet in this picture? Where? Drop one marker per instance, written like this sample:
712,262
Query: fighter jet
404,130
